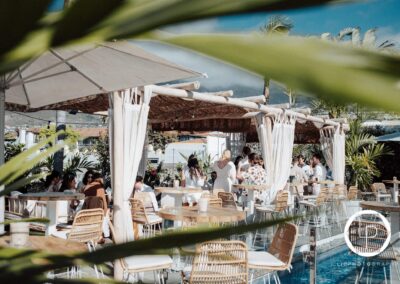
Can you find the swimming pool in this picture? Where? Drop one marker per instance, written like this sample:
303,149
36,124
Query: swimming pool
337,266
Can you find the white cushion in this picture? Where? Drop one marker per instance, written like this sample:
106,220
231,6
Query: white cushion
307,203
60,234
138,262
268,208
154,218
263,258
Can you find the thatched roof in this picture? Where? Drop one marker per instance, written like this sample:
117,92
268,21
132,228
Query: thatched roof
172,113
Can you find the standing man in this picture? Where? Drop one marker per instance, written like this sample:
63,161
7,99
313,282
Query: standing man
319,173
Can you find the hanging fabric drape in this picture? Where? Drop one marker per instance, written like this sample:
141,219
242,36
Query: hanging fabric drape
326,141
282,149
333,148
128,129
339,156
265,138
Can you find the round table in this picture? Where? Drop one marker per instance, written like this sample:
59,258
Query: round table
380,206
53,200
390,207
49,244
213,214
172,196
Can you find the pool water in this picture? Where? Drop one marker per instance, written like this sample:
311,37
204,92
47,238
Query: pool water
338,266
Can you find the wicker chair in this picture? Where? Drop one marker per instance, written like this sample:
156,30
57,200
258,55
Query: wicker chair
86,228
353,193
149,201
222,262
276,210
143,263
318,209
379,189
279,255
215,202
228,200
151,222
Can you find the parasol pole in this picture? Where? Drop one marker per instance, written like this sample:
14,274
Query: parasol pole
2,129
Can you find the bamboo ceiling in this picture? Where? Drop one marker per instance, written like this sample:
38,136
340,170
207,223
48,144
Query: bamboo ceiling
171,113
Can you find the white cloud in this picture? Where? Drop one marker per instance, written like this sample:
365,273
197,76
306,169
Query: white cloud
387,33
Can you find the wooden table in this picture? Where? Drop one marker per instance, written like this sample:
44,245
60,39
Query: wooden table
49,244
395,189
172,196
53,201
213,214
380,206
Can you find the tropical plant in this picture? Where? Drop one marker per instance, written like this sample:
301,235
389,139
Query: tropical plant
12,149
70,133
77,163
102,151
277,24
159,140
332,108
362,153
368,41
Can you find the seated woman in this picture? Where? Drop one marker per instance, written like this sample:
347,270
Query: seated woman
195,178
68,185
95,188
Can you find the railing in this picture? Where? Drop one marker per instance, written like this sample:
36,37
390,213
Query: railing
20,207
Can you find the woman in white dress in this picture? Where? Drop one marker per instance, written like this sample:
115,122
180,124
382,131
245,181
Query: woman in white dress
194,178
226,172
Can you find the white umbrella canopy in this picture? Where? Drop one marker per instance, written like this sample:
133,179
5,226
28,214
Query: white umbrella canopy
69,73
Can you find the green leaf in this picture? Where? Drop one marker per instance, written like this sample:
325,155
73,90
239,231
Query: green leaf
25,161
89,22
17,19
331,71
89,13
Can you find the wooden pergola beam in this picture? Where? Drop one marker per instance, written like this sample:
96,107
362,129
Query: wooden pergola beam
165,91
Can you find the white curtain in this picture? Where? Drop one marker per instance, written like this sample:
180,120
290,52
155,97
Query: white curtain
326,141
339,156
277,149
129,122
333,148
265,139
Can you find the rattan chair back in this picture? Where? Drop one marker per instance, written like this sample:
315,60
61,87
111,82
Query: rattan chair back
281,201
322,197
87,226
284,242
378,187
228,200
138,211
215,202
222,262
353,192
146,200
